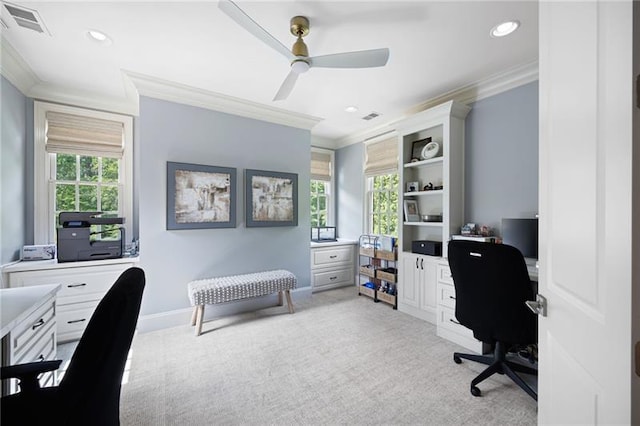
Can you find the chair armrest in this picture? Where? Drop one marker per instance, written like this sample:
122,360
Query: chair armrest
28,373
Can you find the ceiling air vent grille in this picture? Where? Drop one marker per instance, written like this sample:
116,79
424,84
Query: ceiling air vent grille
26,18
371,116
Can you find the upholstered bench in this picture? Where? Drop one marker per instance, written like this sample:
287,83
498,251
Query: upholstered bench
213,291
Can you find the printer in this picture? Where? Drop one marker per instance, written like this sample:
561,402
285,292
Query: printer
78,241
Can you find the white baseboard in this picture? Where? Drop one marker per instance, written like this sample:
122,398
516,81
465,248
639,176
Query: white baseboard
180,317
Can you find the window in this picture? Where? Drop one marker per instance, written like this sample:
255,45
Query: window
82,161
381,172
321,184
383,204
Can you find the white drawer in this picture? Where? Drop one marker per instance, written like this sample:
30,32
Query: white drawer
446,295
44,349
78,284
331,255
74,319
333,277
33,328
444,273
447,319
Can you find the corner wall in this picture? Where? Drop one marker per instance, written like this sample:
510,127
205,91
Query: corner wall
13,179
174,132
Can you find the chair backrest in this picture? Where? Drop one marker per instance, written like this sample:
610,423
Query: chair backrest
492,284
90,388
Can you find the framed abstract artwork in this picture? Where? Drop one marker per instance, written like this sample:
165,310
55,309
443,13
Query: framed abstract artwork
271,198
200,196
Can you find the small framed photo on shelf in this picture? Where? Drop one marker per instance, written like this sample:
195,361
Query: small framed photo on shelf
411,213
416,149
413,186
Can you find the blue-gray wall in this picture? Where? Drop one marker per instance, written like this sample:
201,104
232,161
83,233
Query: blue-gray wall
501,164
501,157
173,132
13,180
350,191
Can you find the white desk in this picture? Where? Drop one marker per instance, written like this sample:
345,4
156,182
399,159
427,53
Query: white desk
28,326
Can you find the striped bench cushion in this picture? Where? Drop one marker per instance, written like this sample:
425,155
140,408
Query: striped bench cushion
235,287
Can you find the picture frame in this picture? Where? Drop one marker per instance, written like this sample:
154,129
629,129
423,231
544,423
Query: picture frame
413,186
416,148
271,198
411,212
200,196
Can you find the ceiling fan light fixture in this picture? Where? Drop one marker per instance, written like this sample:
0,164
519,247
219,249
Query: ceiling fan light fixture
504,28
300,66
99,37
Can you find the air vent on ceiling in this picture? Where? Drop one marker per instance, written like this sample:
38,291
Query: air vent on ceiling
371,116
26,18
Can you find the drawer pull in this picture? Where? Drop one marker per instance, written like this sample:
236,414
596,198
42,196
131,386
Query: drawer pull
41,358
39,323
451,297
333,256
75,321
454,321
333,278
76,285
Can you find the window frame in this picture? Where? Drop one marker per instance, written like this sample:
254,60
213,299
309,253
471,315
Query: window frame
330,188
44,164
369,205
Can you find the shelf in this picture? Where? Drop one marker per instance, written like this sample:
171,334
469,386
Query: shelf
430,224
424,162
386,298
366,291
421,193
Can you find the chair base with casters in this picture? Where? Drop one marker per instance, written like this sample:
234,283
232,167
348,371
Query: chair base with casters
498,363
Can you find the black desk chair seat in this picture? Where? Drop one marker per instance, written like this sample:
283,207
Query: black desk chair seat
89,392
492,285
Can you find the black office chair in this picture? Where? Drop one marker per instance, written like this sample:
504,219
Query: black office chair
89,392
492,285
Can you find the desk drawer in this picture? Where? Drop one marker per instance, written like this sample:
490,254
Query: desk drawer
33,328
446,295
78,284
73,319
329,256
333,277
447,319
444,273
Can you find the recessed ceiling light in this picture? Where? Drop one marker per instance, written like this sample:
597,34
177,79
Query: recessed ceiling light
99,37
504,28
351,108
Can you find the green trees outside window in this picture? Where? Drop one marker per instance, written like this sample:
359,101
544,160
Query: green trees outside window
383,207
86,183
319,203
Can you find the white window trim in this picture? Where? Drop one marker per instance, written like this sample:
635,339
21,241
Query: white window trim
331,200
44,231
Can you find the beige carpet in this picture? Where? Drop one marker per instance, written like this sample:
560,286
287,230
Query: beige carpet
340,359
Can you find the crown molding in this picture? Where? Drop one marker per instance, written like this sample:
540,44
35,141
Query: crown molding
188,95
467,94
15,69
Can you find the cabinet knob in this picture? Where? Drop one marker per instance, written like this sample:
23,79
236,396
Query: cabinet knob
333,278
454,321
451,297
41,358
75,321
421,263
417,262
333,256
39,323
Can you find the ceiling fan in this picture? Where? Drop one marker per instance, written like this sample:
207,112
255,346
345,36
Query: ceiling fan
299,54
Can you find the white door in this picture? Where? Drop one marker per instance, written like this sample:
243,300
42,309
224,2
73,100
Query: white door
586,115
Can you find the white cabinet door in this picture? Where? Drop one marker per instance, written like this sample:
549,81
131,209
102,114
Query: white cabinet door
587,228
410,277
428,292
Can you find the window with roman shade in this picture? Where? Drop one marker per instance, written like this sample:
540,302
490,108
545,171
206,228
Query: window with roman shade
321,166
381,157
82,162
321,185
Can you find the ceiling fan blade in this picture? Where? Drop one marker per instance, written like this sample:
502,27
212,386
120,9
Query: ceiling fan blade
361,59
245,21
287,86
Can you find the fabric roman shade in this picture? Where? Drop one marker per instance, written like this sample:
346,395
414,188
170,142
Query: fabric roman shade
320,166
75,134
381,157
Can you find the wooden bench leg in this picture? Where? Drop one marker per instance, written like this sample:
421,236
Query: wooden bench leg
199,316
193,315
289,303
280,301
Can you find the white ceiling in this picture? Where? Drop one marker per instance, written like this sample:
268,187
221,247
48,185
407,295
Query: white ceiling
436,47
